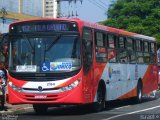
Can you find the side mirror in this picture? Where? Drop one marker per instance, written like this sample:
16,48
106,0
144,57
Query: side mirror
4,45
2,61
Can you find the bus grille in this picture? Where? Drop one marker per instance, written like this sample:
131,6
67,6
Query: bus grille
42,98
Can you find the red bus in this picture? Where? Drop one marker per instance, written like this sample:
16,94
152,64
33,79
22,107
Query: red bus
70,61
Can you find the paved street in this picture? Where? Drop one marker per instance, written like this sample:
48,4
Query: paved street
117,110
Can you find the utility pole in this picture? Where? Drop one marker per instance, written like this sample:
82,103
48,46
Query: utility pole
3,13
58,9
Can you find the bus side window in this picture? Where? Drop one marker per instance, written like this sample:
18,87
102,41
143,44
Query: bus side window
139,51
153,53
122,51
111,41
146,52
112,51
146,46
153,47
87,49
130,44
121,42
101,53
99,39
131,50
123,56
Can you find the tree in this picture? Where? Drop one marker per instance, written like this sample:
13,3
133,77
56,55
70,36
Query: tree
140,16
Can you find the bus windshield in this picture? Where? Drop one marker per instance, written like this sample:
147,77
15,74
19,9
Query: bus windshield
39,54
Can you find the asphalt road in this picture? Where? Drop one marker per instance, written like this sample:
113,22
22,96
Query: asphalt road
149,109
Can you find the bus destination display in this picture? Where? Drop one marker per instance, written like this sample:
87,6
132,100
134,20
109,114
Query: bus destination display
43,27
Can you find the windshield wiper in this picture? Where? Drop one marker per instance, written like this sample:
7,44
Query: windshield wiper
50,46
74,48
32,48
53,43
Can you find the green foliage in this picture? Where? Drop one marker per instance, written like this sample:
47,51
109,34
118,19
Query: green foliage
140,16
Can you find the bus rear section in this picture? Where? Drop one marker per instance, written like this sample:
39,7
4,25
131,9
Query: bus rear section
131,68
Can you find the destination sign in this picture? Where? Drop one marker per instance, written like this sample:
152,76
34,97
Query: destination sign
47,26
43,28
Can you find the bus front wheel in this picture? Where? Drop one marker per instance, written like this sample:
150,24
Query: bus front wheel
40,108
100,104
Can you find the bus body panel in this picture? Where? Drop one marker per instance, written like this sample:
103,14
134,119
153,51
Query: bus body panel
31,94
71,97
123,79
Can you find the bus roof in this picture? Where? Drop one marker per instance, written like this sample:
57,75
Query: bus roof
96,26
118,31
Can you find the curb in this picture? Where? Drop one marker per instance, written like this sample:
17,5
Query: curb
15,111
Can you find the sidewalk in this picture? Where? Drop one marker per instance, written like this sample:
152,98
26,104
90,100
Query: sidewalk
15,109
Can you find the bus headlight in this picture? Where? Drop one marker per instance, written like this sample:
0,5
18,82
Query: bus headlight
15,87
71,86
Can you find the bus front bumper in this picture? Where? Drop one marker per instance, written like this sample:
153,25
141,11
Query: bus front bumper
73,96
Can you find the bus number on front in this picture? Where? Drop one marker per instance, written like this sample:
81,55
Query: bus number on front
50,84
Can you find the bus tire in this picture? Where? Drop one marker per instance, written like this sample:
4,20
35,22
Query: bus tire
139,96
40,108
100,104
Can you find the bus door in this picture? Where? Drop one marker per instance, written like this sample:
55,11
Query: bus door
113,82
124,71
113,79
87,53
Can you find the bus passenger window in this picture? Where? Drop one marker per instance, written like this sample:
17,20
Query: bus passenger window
111,41
123,56
146,57
153,49
153,53
130,48
121,42
101,54
130,44
139,46
140,58
153,58
146,47
112,55
99,39
132,56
